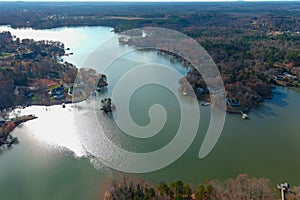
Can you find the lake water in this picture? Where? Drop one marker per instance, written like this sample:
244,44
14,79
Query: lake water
51,162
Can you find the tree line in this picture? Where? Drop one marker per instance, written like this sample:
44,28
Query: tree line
241,187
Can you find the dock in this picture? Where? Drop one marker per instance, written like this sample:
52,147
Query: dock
244,115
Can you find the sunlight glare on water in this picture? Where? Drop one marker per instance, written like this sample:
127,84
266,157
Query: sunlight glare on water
54,126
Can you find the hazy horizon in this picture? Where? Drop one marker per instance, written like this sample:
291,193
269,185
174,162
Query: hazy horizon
141,1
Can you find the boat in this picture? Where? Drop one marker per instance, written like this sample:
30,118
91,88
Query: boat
244,115
98,89
185,94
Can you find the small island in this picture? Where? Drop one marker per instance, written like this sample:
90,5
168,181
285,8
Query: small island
107,106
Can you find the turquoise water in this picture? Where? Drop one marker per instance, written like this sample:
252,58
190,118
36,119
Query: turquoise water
51,163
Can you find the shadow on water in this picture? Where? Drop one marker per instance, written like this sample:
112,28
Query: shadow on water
268,108
264,111
279,100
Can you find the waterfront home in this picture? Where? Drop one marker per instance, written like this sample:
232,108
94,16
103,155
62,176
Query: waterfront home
58,93
285,77
289,77
60,97
233,103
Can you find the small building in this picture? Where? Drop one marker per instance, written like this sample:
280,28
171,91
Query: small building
233,102
60,96
58,93
289,77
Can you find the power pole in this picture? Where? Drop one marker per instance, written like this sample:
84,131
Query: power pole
284,188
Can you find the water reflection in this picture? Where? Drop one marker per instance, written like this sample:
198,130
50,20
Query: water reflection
54,126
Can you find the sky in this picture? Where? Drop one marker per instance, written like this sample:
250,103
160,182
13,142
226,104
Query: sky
142,0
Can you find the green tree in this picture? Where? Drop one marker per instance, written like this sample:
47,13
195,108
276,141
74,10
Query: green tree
187,191
204,192
177,187
164,190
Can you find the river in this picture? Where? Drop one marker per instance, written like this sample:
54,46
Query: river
50,161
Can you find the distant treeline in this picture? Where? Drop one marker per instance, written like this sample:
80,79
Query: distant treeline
281,15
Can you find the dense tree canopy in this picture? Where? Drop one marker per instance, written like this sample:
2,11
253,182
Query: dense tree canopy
242,187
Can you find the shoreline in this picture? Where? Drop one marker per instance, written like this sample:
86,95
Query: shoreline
229,110
233,111
7,126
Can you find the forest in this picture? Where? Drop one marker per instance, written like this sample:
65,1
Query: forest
28,68
241,187
255,45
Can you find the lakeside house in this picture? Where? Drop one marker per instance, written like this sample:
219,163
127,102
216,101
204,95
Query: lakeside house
58,93
233,103
289,77
285,77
